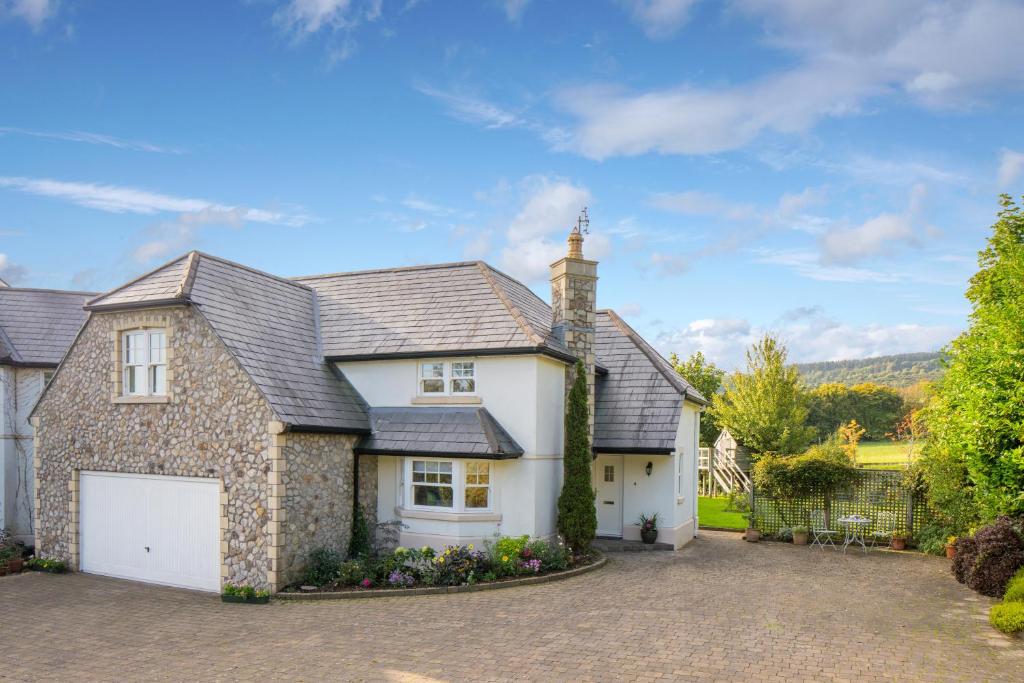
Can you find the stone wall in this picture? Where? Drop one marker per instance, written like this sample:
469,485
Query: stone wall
318,496
214,424
573,310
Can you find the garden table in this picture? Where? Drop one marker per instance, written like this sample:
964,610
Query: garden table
854,527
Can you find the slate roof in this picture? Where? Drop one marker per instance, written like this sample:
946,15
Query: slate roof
638,402
38,325
449,431
270,326
430,310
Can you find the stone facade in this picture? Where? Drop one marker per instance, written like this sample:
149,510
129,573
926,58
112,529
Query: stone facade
573,306
317,498
213,425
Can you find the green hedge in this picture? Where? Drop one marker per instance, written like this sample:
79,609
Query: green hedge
1008,616
1015,589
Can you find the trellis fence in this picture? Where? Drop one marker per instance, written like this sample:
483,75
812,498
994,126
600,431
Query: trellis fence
878,495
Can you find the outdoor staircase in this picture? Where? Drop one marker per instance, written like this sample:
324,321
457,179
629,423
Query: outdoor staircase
720,473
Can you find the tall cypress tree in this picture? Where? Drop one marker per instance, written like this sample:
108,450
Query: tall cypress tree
577,516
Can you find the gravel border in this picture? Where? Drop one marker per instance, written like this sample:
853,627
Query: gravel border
443,590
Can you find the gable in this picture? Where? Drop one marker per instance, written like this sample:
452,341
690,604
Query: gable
38,325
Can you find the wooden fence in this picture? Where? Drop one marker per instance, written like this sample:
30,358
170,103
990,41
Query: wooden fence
878,495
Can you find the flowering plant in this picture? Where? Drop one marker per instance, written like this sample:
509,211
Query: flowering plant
366,583
531,565
401,579
649,523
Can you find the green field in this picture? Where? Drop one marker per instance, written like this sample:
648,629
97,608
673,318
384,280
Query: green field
883,455
712,512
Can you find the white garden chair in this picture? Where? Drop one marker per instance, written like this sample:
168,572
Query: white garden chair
884,529
820,533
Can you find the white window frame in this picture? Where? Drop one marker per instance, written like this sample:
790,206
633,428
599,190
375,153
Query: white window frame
459,486
144,361
447,376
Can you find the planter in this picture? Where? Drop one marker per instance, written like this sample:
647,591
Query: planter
15,565
899,544
257,600
648,536
799,539
950,551
752,535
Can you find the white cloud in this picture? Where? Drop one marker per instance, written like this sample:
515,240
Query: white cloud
10,272
513,9
120,199
309,16
91,138
659,19
535,236
33,12
874,236
670,264
809,334
1011,165
807,263
697,203
472,109
173,237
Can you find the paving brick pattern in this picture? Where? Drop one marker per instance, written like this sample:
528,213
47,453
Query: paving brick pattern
791,614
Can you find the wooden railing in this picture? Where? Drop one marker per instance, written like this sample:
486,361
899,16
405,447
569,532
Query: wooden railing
720,473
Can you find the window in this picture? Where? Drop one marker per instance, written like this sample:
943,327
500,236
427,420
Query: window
47,376
455,486
144,357
455,378
609,473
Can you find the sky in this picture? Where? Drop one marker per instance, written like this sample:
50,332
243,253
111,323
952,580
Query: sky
821,170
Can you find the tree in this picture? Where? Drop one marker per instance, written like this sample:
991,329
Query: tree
706,378
577,516
976,416
765,408
877,408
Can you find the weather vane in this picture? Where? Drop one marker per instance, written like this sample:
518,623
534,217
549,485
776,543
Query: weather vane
583,223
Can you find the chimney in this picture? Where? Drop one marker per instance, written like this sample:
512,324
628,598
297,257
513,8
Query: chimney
573,302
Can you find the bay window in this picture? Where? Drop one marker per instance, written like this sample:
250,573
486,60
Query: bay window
448,485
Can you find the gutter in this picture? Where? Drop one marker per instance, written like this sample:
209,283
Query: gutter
135,305
459,353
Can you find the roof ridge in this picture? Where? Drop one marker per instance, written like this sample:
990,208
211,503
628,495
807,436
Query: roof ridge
657,360
257,271
517,314
396,269
188,279
140,278
47,290
517,281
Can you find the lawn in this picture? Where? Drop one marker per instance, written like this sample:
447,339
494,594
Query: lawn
883,455
712,512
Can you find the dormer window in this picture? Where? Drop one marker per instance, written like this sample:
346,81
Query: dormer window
144,363
447,378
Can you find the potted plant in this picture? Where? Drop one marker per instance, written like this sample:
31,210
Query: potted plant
244,594
649,528
899,539
800,535
951,547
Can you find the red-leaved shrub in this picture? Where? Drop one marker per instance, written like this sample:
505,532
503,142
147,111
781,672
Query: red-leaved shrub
987,561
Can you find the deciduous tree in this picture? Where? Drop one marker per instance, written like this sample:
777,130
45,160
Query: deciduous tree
706,378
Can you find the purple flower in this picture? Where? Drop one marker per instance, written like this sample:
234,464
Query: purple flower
531,565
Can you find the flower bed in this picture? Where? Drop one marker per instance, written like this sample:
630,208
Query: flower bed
507,560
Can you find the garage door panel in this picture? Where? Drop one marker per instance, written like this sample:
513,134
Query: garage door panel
151,528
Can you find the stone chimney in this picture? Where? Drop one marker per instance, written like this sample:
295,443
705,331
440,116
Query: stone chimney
573,302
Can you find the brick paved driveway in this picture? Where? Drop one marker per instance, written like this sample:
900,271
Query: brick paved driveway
718,610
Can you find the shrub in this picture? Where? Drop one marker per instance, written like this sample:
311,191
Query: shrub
1015,589
459,565
991,557
553,556
577,515
932,538
351,572
322,567
1008,617
46,564
359,543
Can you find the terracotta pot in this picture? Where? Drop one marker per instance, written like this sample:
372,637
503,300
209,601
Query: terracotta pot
753,535
648,536
899,544
799,539
950,551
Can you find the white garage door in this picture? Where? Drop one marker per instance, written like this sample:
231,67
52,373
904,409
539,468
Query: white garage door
151,528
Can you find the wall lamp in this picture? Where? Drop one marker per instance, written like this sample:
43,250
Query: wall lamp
649,468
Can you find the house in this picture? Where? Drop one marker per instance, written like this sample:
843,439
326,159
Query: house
216,423
36,328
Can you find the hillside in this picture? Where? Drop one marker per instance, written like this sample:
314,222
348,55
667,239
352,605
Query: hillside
900,370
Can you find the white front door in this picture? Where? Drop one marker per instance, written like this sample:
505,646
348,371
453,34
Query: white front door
609,495
151,528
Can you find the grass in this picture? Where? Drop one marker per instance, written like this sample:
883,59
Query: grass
712,512
883,455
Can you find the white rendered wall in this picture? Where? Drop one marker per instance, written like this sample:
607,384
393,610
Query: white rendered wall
525,394
19,390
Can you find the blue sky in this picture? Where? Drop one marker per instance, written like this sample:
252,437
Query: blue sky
824,170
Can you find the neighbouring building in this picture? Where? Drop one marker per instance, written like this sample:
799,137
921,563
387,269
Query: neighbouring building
36,328
216,423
